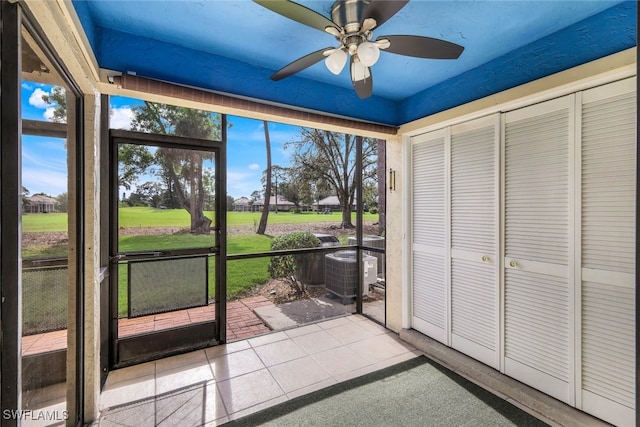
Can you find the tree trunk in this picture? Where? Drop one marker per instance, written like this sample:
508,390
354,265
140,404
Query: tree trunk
346,218
262,228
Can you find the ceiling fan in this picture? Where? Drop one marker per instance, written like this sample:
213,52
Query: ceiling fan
352,24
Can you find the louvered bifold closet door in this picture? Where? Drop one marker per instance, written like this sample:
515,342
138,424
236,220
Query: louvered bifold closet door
537,293
608,252
474,240
429,236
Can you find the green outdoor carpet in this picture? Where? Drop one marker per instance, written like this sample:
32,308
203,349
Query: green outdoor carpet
417,392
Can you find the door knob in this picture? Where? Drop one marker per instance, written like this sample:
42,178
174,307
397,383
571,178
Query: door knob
485,258
513,264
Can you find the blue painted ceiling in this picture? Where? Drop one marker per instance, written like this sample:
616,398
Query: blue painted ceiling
235,46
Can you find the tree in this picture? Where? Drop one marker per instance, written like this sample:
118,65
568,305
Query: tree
150,193
25,197
133,161
58,99
230,203
182,169
62,202
330,157
262,227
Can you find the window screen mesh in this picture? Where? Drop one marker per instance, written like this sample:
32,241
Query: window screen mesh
44,301
167,284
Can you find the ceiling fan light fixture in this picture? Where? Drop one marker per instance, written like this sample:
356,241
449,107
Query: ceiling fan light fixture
359,71
336,61
368,53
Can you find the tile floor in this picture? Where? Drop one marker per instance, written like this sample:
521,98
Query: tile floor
242,322
214,385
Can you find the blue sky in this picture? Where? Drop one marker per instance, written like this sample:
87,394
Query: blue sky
44,158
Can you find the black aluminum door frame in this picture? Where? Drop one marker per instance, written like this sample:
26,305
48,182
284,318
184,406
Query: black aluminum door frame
13,18
154,345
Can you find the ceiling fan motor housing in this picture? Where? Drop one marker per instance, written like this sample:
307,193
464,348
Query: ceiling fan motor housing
348,14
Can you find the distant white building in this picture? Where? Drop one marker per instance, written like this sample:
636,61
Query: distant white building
40,203
283,204
332,203
242,204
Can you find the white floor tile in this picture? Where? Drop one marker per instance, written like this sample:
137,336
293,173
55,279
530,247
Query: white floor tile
128,391
268,339
334,323
229,348
378,348
339,361
182,361
296,332
316,342
179,378
351,333
235,364
279,352
248,390
131,372
299,373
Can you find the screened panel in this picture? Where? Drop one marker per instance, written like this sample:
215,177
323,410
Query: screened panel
44,301
167,284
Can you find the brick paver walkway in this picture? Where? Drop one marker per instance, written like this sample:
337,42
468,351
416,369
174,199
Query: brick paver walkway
242,322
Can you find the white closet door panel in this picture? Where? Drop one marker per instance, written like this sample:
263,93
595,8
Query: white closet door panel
537,322
429,193
474,240
608,252
430,295
429,236
473,191
537,295
536,188
473,302
608,348
608,184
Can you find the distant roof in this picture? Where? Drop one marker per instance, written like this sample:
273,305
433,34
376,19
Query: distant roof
272,201
331,201
41,198
242,201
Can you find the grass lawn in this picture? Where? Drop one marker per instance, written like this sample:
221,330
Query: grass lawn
241,274
179,218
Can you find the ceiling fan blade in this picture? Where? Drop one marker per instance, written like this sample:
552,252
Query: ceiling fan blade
362,86
382,10
422,47
300,64
298,13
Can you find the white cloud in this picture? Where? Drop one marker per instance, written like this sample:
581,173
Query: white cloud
36,98
48,113
26,86
120,118
241,183
49,182
254,166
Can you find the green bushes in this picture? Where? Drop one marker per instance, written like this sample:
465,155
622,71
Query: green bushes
285,266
